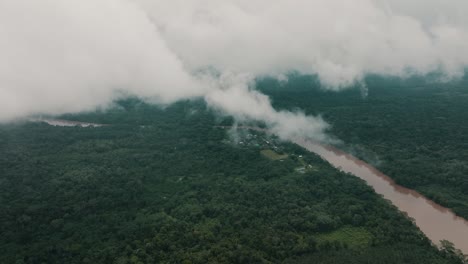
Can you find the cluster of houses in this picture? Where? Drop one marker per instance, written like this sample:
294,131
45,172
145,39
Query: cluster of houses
252,139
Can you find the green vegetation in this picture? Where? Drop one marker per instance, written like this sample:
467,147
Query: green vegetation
273,155
355,237
415,131
167,186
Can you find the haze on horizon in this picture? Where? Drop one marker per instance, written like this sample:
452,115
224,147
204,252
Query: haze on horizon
65,56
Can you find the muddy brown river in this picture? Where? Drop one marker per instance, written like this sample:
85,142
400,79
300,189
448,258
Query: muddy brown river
437,222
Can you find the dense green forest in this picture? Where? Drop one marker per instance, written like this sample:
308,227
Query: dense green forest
414,130
168,186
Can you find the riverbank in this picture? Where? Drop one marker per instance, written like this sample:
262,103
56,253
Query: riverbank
437,222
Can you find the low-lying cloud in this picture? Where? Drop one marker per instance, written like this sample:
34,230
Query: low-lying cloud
60,56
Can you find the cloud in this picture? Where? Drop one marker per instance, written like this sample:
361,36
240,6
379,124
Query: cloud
60,56
236,98
340,40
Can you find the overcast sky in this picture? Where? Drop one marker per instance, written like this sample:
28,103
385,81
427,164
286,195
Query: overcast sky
60,56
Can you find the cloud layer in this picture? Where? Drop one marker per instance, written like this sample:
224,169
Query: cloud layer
61,56
340,40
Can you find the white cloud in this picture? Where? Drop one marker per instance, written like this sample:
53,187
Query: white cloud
340,40
62,56
234,97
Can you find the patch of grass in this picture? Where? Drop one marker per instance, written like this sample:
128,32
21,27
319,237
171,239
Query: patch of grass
355,237
273,155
